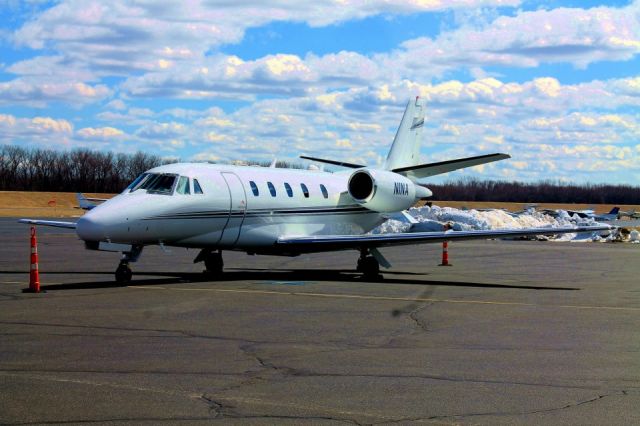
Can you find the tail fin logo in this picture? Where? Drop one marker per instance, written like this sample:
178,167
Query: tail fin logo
417,122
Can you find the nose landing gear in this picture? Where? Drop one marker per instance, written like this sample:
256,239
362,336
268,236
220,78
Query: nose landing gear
123,272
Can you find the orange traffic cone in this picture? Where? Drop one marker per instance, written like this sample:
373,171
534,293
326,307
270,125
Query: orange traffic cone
445,249
34,274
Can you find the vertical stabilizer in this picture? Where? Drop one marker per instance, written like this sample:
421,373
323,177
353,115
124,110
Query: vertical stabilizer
405,151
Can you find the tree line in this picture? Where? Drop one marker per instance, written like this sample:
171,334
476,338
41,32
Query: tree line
80,170
471,189
84,170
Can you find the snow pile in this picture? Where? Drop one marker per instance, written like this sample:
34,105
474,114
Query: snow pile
434,218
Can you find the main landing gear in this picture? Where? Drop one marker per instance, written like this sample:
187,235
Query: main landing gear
369,266
123,272
212,261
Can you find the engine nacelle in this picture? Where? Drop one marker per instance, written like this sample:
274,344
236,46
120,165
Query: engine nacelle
384,191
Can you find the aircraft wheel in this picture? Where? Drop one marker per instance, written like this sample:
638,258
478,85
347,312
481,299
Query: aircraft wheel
369,267
214,263
123,274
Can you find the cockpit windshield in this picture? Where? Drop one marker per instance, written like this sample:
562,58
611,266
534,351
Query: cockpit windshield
160,184
137,182
156,183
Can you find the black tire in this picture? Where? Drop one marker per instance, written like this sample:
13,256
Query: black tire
369,267
214,263
123,274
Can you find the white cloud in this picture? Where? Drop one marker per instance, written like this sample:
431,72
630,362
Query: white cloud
230,77
578,36
161,131
116,104
39,93
166,50
116,36
100,133
40,130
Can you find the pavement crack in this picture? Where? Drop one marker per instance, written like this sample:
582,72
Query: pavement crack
302,418
28,371
413,309
221,410
251,351
524,413
421,324
95,383
217,409
308,373
125,420
162,332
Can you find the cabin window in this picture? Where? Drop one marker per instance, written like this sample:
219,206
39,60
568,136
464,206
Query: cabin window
272,189
305,190
197,189
254,188
183,186
136,183
287,187
325,194
159,184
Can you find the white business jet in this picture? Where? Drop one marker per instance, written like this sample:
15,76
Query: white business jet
272,211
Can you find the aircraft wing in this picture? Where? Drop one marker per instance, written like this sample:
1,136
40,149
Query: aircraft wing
333,162
342,242
54,223
431,169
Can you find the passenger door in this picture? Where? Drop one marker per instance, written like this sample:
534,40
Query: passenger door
237,209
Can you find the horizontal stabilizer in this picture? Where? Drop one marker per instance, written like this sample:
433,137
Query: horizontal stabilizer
321,243
335,163
431,169
54,223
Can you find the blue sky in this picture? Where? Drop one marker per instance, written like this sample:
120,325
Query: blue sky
556,84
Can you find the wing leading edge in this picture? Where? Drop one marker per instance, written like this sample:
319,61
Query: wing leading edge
343,242
54,223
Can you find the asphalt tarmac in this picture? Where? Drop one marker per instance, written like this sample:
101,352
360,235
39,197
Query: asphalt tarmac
514,333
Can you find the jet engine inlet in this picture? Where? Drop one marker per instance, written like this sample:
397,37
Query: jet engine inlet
360,185
383,190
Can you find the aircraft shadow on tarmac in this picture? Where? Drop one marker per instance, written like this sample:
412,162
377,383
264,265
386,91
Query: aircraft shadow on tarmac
276,276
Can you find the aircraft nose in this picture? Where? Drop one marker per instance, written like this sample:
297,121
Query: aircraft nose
89,228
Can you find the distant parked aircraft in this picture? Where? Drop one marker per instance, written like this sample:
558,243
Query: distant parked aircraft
85,203
585,214
608,217
631,214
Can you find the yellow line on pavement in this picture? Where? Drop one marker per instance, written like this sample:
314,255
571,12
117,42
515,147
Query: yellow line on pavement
385,298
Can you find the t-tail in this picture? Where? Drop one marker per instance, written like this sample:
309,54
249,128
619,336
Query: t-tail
405,150
404,155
